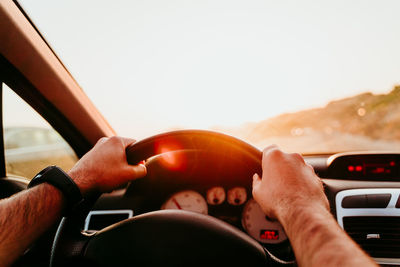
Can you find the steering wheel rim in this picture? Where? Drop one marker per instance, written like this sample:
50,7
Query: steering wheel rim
71,244
189,140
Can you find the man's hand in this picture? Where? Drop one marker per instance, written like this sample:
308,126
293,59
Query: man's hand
105,167
287,182
26,215
291,192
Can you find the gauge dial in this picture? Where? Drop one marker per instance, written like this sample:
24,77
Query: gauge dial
259,226
237,196
187,200
216,195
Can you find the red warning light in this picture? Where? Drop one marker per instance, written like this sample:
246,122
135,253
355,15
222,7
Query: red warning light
269,234
359,168
392,163
350,168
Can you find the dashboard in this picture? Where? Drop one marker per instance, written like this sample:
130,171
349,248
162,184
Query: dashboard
223,190
234,206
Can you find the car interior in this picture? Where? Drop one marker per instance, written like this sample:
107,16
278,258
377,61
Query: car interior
195,205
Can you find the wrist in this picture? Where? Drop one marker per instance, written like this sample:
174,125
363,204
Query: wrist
81,181
318,240
299,212
56,177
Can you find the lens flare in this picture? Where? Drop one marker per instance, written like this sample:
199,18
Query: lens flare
171,155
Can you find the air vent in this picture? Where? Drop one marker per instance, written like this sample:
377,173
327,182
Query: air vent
378,236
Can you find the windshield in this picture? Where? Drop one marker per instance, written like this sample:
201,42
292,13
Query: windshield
310,76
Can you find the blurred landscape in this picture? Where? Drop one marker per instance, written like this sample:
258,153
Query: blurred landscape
28,150
362,122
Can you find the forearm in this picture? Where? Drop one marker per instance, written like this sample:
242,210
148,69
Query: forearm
318,240
25,216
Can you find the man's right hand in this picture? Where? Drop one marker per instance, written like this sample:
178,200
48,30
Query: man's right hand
291,192
287,183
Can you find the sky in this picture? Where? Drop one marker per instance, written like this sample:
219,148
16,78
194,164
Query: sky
153,65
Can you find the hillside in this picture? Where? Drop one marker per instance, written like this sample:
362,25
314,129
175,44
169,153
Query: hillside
364,121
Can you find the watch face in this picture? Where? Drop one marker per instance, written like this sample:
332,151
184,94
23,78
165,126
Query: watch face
38,177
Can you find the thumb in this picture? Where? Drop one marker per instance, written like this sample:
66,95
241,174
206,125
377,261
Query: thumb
136,171
256,181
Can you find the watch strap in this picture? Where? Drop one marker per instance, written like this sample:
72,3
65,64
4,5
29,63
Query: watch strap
58,178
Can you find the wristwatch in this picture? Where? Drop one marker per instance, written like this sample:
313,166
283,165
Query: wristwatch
57,177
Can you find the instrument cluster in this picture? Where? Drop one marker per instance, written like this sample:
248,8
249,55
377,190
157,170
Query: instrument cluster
233,205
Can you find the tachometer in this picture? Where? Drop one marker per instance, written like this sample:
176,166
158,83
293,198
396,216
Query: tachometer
187,200
259,226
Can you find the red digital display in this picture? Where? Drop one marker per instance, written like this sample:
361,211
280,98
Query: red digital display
350,168
269,234
373,168
368,167
359,168
379,169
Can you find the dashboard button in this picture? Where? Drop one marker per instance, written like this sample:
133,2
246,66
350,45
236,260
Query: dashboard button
354,202
371,201
378,200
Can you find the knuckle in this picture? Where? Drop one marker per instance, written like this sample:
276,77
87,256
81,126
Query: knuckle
269,148
310,167
298,157
274,154
102,140
114,139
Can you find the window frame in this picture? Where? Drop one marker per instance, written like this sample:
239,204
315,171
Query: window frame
10,76
2,152
30,67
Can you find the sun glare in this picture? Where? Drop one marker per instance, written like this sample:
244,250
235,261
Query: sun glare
170,155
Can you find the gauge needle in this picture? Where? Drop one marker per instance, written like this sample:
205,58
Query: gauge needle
176,203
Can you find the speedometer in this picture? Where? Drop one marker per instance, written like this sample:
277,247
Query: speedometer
259,226
187,200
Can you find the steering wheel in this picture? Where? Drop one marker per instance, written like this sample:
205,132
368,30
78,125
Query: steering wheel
162,237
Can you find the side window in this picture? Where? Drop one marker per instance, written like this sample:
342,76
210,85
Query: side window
30,143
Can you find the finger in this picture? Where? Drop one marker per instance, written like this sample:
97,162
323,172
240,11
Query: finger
256,177
309,167
269,148
127,141
272,154
256,185
256,180
101,140
298,157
